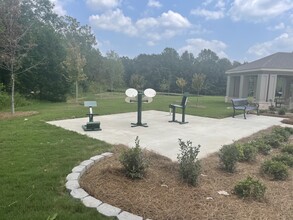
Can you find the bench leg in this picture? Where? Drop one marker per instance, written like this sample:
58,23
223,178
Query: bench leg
233,113
244,113
173,113
183,115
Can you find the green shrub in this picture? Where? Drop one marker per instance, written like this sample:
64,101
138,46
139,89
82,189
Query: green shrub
275,169
134,161
288,148
289,129
246,152
285,158
282,111
282,132
4,100
274,140
261,146
189,165
228,157
250,188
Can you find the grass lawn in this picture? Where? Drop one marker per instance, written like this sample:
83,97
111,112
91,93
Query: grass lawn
36,157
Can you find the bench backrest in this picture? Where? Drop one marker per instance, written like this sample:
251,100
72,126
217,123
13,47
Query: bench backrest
239,102
184,101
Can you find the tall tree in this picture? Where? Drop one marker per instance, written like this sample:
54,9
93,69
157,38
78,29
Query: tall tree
12,49
114,70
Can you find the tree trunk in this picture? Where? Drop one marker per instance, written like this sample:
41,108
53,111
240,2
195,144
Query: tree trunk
76,91
12,91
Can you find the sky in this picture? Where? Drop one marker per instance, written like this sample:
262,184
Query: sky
240,30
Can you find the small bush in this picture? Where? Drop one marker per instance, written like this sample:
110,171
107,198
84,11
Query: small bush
4,100
134,161
261,146
272,108
282,111
274,140
275,169
289,129
228,157
246,152
189,165
285,158
283,133
250,188
288,149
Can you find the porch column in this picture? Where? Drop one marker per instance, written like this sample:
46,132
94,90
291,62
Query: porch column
243,87
228,89
272,87
262,87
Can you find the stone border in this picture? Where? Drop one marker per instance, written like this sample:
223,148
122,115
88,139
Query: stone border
72,185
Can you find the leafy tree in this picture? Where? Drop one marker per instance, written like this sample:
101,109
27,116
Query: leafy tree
12,49
74,64
48,80
94,69
198,80
165,85
181,83
137,81
114,70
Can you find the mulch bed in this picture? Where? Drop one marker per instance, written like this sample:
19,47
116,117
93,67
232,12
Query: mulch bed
162,195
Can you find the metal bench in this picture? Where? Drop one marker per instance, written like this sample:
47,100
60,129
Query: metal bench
182,106
279,101
91,125
243,105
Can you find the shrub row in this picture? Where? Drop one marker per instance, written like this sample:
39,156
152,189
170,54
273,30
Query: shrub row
276,168
135,162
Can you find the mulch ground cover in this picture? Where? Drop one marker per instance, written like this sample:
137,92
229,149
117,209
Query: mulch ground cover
162,195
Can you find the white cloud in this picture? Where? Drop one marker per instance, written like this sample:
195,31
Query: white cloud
218,12
209,15
166,26
113,21
195,46
154,3
58,7
282,43
99,5
220,4
277,27
259,10
173,20
153,29
217,3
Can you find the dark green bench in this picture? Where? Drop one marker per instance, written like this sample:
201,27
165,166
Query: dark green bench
182,106
242,104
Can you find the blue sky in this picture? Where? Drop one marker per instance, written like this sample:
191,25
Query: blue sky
241,30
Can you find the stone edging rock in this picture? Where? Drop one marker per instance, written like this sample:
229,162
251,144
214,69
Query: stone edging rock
72,185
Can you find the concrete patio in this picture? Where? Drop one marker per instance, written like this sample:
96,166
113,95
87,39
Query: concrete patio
162,136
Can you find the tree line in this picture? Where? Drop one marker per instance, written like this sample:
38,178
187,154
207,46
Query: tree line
48,56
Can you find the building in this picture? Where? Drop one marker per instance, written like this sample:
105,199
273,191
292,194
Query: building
263,80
